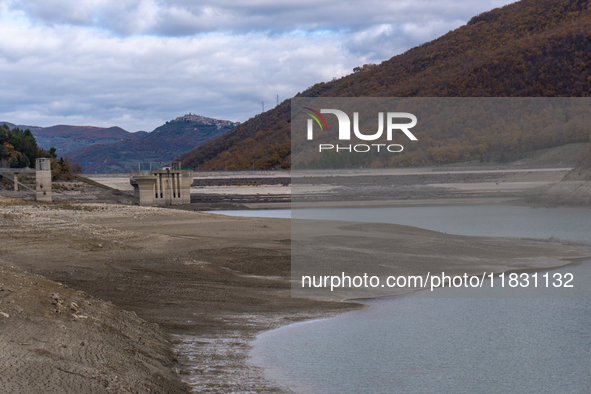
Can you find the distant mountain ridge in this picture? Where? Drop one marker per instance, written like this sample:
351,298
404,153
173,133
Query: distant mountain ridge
114,149
67,138
163,144
531,48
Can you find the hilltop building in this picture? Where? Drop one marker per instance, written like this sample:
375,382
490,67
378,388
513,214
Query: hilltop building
206,121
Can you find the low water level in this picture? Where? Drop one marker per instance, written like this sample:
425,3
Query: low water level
427,343
479,220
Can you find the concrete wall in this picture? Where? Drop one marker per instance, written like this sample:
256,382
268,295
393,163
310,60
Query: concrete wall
43,179
43,183
162,187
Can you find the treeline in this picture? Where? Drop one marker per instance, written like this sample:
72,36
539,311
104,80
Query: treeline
18,149
532,48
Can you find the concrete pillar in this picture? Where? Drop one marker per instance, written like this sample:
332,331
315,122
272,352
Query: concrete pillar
178,186
16,182
43,179
146,190
174,188
167,189
185,180
160,186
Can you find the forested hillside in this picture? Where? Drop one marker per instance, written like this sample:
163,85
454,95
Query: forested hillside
161,145
18,148
66,138
532,48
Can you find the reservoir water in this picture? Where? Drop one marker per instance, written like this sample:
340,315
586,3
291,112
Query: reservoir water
429,343
573,224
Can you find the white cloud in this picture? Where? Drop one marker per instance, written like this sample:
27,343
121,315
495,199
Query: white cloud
185,17
70,72
138,63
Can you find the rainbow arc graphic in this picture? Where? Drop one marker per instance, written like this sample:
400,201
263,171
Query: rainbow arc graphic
316,115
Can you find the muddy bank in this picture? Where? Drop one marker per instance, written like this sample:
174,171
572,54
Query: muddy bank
212,282
394,184
58,340
201,277
573,190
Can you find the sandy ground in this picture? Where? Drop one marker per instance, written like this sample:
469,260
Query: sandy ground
354,248
210,283
58,340
201,277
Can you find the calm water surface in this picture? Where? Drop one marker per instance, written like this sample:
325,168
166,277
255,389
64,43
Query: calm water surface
572,224
427,343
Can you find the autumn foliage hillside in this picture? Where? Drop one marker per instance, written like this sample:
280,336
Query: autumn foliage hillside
532,48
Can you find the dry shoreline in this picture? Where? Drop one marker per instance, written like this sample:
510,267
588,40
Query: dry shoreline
193,274
55,339
212,283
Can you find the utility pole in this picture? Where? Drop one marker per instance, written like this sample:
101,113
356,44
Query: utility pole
277,99
263,105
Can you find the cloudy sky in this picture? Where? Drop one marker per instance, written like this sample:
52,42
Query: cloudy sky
139,63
